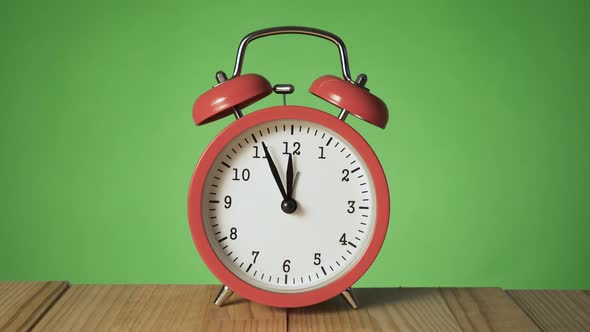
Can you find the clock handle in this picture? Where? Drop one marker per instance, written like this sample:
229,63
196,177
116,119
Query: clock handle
293,30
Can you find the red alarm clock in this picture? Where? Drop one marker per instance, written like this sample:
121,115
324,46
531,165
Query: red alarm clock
289,205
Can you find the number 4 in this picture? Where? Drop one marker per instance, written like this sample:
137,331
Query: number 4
343,239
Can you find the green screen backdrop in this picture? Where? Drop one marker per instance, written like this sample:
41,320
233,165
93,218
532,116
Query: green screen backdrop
486,153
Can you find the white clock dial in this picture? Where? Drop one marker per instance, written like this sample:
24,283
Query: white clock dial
289,252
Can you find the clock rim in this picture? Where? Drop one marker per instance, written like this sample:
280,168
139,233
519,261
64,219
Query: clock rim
251,292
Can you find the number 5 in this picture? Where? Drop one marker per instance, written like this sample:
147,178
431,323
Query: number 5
317,258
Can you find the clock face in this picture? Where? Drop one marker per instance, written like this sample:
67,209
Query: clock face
288,236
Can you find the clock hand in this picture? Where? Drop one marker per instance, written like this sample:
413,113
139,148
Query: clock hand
288,205
275,172
290,176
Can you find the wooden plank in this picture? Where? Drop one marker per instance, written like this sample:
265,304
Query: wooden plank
23,303
157,308
486,309
385,309
556,310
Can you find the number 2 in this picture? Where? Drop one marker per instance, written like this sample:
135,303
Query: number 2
345,178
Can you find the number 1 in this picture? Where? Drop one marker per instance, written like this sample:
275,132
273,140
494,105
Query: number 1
321,153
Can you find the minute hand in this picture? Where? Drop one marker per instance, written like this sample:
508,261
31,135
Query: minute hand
275,172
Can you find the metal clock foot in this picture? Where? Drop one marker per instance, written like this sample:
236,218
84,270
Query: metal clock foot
348,295
224,294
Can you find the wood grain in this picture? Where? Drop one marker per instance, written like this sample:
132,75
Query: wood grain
386,309
486,309
52,306
23,303
157,308
556,310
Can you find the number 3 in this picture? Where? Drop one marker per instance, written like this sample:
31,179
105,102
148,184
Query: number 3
351,207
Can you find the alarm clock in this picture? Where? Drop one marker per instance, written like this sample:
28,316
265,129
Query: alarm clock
288,206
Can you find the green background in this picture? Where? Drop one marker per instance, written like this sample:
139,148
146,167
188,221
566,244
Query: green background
486,152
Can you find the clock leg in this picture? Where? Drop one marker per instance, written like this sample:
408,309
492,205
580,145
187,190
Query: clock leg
348,295
224,294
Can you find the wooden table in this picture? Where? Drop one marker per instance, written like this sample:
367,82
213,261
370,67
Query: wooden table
58,306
